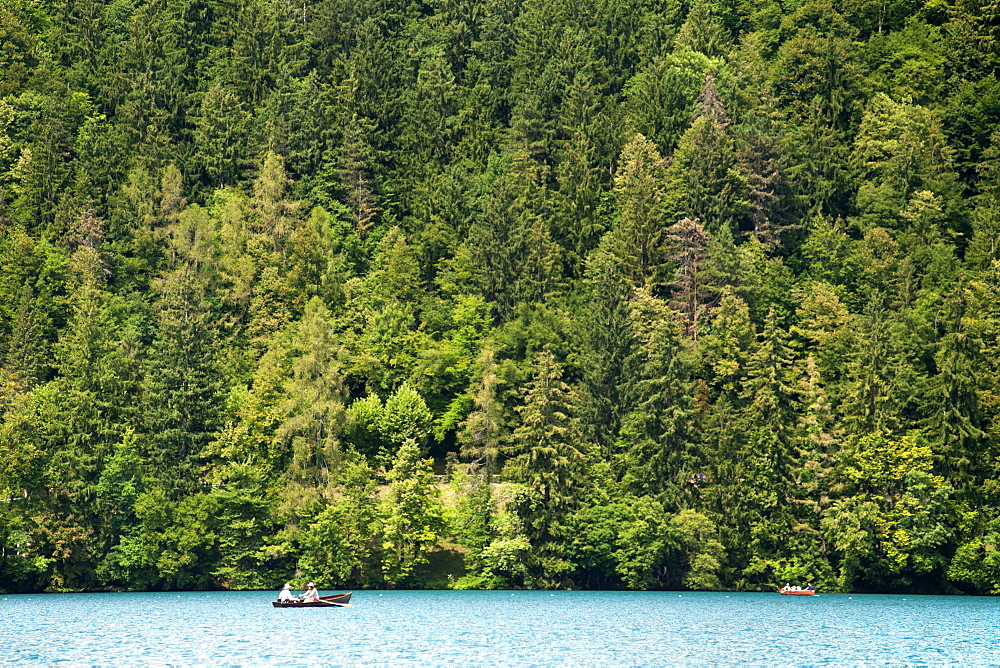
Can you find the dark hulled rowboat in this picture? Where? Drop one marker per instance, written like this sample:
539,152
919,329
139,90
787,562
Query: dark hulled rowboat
335,601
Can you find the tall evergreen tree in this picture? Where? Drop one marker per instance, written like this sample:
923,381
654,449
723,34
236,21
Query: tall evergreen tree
706,171
639,194
482,431
953,417
183,388
547,457
608,348
412,515
686,241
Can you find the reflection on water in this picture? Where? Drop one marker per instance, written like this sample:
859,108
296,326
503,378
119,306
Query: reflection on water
630,628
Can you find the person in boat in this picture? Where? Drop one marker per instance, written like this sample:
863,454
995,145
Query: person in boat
787,587
311,594
286,595
809,587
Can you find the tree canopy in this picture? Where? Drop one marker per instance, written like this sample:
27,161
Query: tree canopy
526,293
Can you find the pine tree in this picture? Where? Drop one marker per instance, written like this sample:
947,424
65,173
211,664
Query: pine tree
25,356
583,178
706,171
873,399
658,440
516,259
984,247
221,133
660,98
728,345
355,172
703,32
900,150
771,390
769,213
313,402
481,433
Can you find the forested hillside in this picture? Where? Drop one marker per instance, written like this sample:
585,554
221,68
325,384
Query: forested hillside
519,293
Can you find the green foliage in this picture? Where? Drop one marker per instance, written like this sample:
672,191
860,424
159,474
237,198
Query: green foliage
547,458
608,293
976,562
405,417
640,199
703,553
411,515
661,97
891,531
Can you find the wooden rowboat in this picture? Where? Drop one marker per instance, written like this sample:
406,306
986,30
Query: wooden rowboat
334,601
797,592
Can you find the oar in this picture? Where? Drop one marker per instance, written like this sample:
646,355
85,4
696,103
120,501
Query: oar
342,605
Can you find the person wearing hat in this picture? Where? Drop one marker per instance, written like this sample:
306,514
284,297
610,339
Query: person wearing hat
286,595
310,594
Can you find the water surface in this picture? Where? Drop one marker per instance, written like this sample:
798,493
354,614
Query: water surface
491,628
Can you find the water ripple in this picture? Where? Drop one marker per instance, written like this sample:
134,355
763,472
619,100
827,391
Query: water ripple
495,628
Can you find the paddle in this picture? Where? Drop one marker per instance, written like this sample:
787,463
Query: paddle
342,605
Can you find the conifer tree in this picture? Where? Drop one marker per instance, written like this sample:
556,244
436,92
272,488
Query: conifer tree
771,391
686,241
411,515
183,386
658,446
516,259
703,32
660,98
728,345
92,404
481,434
221,131
24,359
639,195
589,122
984,247
953,416
548,458
706,171
608,348
313,400
355,169
873,399
770,207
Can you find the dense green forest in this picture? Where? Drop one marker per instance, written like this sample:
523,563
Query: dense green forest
524,293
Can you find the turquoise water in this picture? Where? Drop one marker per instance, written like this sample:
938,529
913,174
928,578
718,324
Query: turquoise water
538,628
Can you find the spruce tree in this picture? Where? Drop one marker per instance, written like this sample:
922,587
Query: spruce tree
183,389
411,513
953,416
608,348
640,201
547,456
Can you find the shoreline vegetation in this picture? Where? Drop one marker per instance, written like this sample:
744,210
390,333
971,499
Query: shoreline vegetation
589,294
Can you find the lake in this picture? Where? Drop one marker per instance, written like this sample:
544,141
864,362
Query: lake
445,627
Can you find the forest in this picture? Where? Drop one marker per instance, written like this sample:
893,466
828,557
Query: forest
606,294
